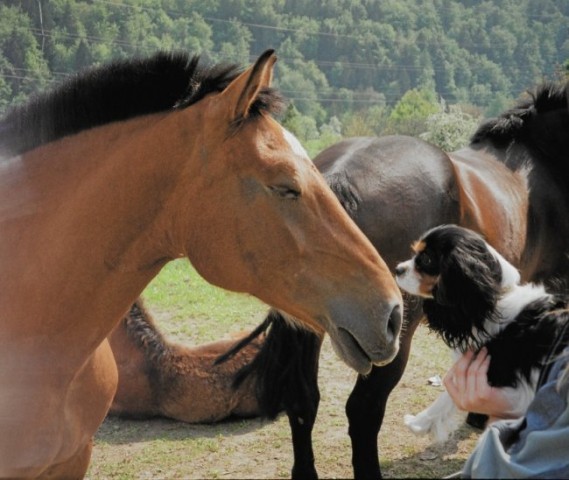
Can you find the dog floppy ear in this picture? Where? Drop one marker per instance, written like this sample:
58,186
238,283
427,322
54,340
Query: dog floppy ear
466,293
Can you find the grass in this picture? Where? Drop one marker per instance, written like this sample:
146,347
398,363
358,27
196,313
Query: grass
195,310
190,311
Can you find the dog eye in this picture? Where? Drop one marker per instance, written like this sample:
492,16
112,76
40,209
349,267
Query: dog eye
424,260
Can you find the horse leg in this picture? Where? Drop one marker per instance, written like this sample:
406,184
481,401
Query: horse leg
366,405
301,408
301,418
74,468
286,372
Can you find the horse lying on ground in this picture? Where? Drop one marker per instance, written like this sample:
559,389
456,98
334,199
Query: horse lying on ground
124,168
161,378
511,184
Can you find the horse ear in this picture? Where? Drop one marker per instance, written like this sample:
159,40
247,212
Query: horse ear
242,92
469,283
465,296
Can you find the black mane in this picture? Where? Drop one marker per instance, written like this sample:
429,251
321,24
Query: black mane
120,90
141,329
540,126
343,190
515,124
540,123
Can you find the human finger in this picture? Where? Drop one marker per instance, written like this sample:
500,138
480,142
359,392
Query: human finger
455,378
476,378
483,388
461,370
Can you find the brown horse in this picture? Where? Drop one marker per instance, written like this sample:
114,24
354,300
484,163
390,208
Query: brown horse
162,378
124,168
511,184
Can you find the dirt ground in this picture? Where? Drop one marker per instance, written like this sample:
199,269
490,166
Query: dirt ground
256,448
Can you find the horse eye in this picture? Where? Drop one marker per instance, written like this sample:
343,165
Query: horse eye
284,191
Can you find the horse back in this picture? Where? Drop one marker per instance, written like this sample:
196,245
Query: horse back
394,187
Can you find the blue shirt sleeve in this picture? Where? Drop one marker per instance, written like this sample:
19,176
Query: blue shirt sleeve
536,446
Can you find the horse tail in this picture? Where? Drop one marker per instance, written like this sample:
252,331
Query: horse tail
244,342
286,367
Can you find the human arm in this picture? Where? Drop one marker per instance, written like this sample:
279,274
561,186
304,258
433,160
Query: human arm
534,446
467,384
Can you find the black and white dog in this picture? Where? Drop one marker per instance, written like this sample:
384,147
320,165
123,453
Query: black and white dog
473,298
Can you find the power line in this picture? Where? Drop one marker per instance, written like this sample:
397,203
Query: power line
322,63
272,27
223,20
345,65
378,100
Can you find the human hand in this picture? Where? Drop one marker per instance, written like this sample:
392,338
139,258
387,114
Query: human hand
467,384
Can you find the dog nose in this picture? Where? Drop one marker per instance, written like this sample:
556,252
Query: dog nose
400,269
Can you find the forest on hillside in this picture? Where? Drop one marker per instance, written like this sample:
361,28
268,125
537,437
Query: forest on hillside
337,58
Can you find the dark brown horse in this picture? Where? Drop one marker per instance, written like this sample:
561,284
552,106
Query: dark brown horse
158,377
124,168
511,184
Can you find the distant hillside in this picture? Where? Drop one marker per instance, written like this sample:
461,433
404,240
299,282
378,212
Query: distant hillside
334,55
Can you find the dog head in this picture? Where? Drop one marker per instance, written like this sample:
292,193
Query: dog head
461,278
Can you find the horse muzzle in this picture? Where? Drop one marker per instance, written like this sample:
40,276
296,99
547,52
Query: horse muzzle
361,344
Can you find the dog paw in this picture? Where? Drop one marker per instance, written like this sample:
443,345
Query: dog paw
438,429
416,424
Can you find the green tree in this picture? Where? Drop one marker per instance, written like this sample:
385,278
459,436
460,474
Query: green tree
409,115
5,88
23,68
332,52
234,42
83,56
193,34
302,126
450,129
303,82
367,121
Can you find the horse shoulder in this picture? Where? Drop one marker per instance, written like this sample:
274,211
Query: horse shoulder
64,420
494,200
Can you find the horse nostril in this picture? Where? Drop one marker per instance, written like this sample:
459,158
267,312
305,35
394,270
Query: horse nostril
394,323
400,269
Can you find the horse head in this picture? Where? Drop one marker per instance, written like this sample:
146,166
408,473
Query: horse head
272,227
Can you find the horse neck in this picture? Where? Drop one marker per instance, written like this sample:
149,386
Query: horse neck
524,195
88,228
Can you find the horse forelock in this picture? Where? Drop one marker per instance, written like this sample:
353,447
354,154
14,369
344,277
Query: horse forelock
120,90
